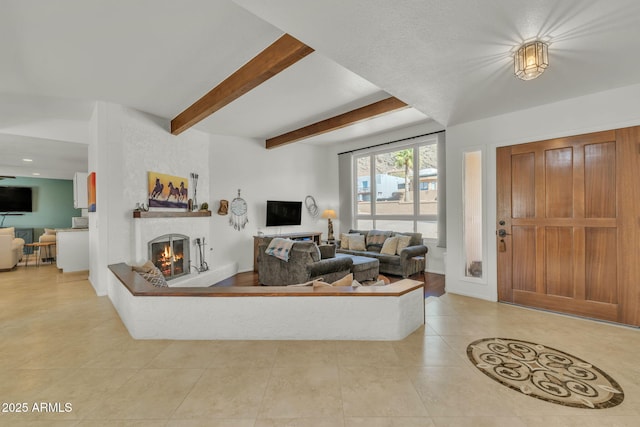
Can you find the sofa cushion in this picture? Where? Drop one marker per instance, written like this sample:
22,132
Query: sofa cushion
390,246
376,238
356,243
155,277
403,242
9,231
344,239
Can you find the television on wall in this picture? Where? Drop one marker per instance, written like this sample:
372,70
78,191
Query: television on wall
15,199
281,213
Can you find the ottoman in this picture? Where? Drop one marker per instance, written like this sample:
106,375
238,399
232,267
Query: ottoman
364,268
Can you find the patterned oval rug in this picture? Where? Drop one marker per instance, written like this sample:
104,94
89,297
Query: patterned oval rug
545,373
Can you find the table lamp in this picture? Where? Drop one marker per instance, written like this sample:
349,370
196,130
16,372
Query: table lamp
329,214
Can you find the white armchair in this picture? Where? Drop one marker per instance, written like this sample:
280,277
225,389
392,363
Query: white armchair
11,248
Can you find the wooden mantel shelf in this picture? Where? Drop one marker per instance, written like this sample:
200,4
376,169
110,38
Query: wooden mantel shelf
158,214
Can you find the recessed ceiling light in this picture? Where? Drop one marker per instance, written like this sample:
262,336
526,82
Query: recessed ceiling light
36,174
27,160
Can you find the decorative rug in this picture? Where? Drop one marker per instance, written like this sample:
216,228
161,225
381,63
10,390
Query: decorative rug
545,373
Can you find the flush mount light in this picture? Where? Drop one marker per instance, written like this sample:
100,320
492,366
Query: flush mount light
27,160
530,60
36,174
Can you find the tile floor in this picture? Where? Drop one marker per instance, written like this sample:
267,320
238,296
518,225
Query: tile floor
59,344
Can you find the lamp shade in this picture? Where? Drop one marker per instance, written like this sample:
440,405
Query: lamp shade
329,213
530,60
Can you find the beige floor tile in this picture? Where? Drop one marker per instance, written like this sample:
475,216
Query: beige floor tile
478,422
366,353
300,422
136,355
148,394
258,354
428,351
306,353
379,392
213,422
587,420
459,391
225,392
185,354
302,392
388,422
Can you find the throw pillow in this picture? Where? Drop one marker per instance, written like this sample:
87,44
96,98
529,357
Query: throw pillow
403,242
144,268
376,238
344,239
155,277
390,246
356,243
345,281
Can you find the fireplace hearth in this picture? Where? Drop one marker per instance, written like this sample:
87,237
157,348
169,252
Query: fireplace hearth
170,253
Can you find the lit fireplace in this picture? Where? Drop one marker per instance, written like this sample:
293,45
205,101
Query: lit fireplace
170,253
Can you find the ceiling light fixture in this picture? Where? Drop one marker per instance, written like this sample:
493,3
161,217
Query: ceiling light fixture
36,174
530,60
27,160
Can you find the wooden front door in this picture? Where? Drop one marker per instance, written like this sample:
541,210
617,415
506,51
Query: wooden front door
567,226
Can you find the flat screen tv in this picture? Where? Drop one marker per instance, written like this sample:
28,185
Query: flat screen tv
283,213
15,199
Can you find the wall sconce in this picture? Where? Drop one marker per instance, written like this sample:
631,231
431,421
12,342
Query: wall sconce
329,214
530,60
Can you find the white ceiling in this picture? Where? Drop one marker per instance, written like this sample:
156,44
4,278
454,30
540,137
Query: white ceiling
450,60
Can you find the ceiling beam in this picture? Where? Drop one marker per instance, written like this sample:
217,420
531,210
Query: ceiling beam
279,55
338,122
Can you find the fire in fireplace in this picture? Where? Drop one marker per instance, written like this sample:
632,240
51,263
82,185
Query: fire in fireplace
170,253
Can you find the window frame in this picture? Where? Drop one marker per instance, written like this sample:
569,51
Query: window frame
374,217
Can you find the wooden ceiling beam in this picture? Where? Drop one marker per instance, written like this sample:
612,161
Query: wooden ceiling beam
282,53
337,122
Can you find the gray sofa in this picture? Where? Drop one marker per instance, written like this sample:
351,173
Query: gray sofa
305,264
411,259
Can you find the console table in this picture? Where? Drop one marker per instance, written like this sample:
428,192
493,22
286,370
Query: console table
312,235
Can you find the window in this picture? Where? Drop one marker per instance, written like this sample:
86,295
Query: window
472,206
404,180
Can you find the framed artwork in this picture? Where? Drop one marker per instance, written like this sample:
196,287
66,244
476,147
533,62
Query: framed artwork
91,191
168,191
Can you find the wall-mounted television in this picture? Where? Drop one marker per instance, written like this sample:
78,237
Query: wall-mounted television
283,213
15,199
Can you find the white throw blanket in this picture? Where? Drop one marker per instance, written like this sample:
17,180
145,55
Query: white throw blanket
280,248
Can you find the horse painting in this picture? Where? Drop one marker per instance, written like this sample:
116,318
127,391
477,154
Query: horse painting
164,193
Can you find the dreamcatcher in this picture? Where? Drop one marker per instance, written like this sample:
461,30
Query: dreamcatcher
310,204
238,216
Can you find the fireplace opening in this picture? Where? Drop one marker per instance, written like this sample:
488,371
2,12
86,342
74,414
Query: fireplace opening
170,253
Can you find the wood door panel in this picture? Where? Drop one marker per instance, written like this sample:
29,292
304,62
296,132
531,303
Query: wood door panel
628,189
572,207
558,167
523,182
601,272
600,180
584,308
559,261
524,258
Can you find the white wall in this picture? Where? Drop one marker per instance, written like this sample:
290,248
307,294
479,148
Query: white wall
289,173
612,109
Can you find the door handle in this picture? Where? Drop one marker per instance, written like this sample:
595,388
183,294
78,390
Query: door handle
502,233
